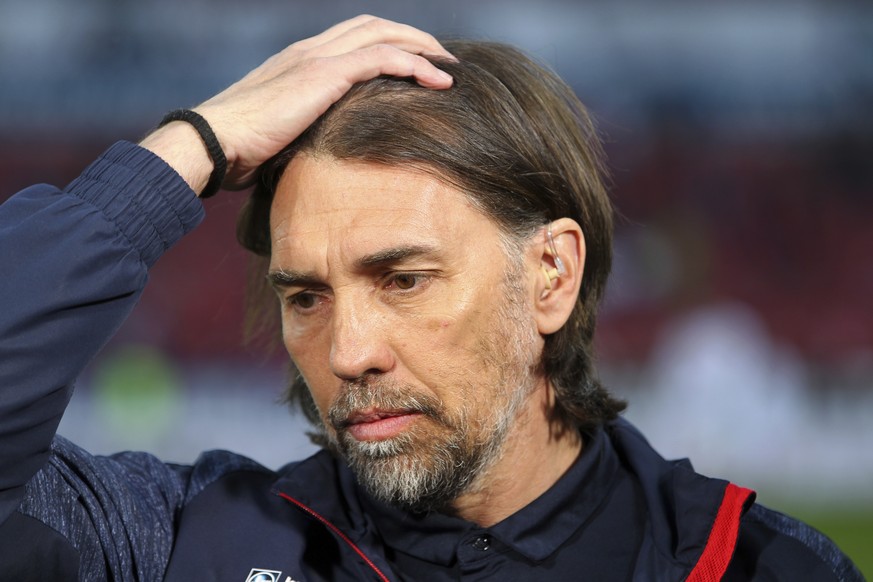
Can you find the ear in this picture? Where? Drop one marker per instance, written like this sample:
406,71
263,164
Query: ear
556,289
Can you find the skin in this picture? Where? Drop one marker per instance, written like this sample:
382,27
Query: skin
353,309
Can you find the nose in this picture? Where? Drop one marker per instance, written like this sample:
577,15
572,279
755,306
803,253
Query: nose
359,342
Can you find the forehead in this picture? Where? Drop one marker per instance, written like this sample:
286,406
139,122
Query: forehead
356,208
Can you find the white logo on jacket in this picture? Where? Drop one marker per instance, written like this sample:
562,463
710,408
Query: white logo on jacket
261,575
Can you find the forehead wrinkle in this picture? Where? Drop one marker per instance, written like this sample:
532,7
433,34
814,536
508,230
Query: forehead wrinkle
358,214
333,220
364,186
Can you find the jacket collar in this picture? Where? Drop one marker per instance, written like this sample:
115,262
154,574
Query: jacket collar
324,483
536,531
681,505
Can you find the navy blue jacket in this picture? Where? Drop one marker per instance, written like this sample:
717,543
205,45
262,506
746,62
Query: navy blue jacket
74,264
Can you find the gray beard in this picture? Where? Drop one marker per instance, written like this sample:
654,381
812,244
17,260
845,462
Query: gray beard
423,470
445,454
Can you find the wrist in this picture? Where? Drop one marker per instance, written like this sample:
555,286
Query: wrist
214,122
180,146
210,142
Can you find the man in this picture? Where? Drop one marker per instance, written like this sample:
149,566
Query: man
438,244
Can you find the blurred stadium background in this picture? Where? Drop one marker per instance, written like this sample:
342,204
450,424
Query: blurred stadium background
740,137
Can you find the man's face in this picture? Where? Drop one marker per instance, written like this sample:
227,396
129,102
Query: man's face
406,319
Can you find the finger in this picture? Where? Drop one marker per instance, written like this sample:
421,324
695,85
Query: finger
375,31
333,32
383,59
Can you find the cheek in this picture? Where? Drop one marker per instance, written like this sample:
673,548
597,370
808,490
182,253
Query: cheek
444,351
310,357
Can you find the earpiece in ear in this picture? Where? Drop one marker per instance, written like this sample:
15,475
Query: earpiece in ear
550,275
560,270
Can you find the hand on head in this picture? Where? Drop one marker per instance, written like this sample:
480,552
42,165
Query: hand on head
266,110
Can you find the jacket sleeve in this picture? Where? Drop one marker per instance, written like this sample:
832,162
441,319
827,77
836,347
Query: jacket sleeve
73,263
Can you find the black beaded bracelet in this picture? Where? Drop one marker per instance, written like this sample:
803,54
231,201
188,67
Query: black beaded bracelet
216,154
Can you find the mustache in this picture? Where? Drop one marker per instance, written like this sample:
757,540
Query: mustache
381,394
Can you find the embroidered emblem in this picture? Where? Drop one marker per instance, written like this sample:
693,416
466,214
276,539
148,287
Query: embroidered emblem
260,575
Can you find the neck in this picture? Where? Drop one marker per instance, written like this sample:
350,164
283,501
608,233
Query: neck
537,452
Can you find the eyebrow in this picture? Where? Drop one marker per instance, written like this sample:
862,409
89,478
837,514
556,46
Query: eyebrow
284,278
395,255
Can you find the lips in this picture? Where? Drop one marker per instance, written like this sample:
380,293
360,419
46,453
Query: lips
376,425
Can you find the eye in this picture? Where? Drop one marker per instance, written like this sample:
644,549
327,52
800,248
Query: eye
303,301
404,281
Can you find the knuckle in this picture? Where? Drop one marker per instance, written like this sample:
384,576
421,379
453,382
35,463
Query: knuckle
375,23
387,53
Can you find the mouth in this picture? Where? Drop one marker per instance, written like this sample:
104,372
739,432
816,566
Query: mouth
378,425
